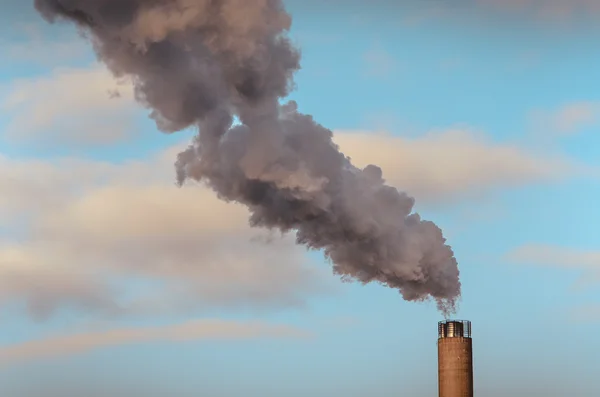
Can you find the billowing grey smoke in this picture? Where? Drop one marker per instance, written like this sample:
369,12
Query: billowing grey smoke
202,63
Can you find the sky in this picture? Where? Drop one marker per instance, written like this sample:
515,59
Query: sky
114,282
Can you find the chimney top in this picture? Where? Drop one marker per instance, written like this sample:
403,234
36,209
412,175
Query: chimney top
454,329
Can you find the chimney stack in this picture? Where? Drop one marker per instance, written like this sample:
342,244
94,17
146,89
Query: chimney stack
455,359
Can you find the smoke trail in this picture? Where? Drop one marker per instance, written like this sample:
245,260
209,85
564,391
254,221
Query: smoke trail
202,62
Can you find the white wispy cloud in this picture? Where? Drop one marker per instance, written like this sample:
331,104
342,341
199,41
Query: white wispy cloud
85,225
447,164
71,106
585,262
206,329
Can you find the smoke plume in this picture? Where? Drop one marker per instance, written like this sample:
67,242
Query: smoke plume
224,66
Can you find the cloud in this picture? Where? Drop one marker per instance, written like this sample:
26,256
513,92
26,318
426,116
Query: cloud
568,119
192,330
71,106
587,262
30,187
81,232
454,163
89,230
113,239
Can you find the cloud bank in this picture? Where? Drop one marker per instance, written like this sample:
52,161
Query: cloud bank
80,243
80,230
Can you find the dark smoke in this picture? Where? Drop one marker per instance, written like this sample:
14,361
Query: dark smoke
202,63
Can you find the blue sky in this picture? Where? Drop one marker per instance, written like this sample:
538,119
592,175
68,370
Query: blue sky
487,115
